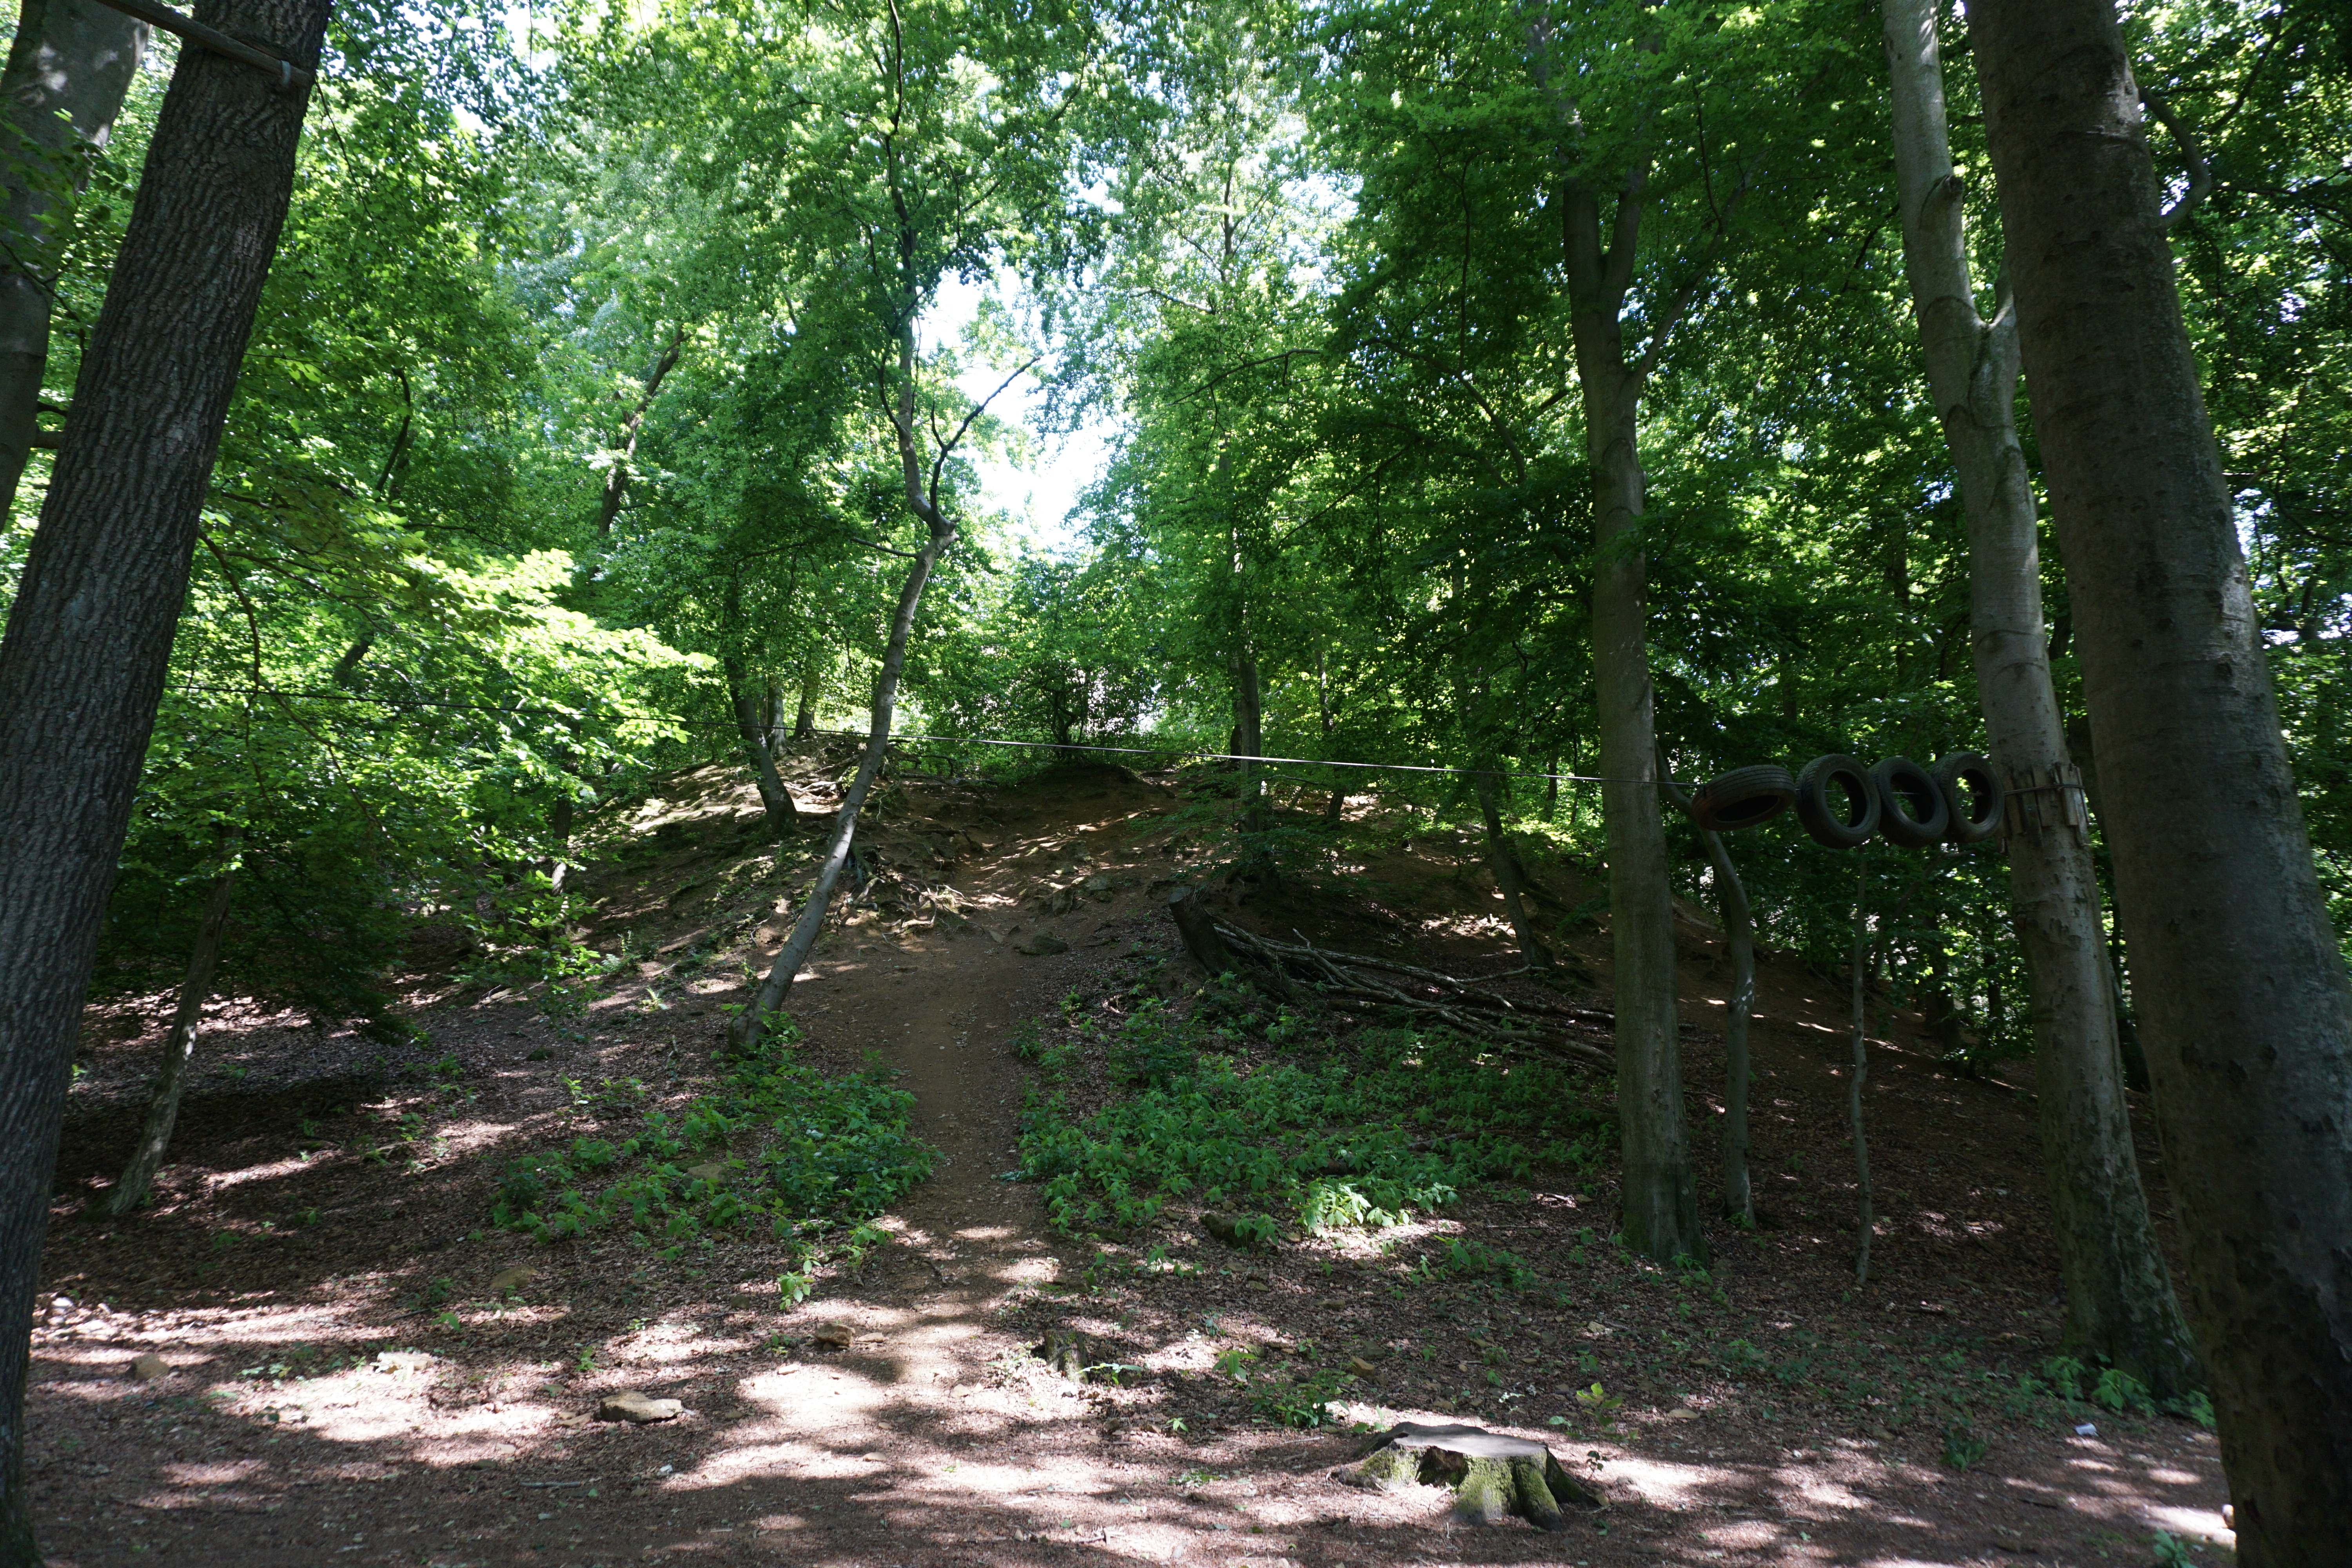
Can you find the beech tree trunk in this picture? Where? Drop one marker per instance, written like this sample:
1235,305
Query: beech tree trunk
89,637
2244,1002
73,58
1660,1214
2119,1296
180,1045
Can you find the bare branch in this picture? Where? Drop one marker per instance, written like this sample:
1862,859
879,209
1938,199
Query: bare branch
2201,174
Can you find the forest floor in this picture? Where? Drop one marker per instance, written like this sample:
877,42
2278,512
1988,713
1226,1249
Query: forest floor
344,1384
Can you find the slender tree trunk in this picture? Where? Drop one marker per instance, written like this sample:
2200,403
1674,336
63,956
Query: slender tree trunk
1249,740
2119,1295
1739,937
1865,1222
616,478
744,1034
1660,1215
82,664
180,1045
923,499
2244,1002
1507,869
74,58
775,800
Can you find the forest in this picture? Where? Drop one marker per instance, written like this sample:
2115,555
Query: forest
1394,624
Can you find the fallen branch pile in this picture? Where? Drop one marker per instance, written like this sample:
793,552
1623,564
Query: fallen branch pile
1461,1004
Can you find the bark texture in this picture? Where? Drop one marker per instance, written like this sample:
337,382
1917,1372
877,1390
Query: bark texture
2119,1295
73,58
2244,1002
1660,1216
180,1045
89,637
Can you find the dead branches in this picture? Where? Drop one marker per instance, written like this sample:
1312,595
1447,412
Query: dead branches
1533,1027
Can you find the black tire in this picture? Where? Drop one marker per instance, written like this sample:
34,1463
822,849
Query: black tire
1837,801
1972,794
1912,813
1743,797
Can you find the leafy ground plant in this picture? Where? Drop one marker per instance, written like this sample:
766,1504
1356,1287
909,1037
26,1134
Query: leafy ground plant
1343,1140
783,1145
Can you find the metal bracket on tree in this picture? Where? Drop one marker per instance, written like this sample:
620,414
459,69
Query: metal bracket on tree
290,75
2062,779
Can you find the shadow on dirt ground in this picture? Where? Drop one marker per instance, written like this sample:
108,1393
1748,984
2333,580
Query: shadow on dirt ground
345,1382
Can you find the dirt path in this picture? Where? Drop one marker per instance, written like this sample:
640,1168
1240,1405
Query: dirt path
345,1387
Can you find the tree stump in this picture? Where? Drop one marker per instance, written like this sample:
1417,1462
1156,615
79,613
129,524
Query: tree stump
1200,934
1067,1352
1491,1475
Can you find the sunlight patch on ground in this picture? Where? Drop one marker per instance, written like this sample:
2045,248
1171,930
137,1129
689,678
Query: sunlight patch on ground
2196,1523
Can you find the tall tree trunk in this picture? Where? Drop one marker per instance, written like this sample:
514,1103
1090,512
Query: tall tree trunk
1505,863
923,499
1249,740
2119,1295
2244,1002
74,58
180,1045
89,637
616,478
1660,1215
743,1035
1739,938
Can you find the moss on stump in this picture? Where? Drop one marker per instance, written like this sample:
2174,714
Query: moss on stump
1491,1476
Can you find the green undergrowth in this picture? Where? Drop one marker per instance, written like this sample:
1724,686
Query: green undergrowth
1231,1108
801,1156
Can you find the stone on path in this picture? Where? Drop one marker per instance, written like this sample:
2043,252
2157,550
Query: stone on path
1491,1475
149,1367
637,1409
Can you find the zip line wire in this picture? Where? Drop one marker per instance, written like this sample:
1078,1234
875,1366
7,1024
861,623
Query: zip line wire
965,739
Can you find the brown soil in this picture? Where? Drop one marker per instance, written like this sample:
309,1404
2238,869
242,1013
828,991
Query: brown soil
344,1386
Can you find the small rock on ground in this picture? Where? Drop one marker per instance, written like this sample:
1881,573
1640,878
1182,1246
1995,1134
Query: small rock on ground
637,1408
